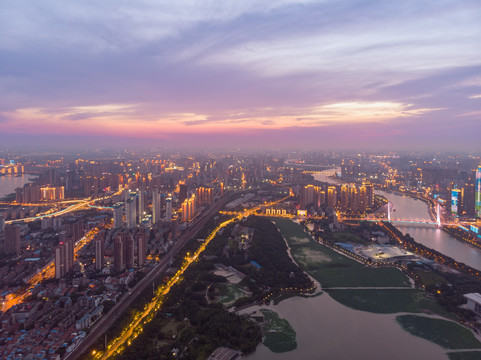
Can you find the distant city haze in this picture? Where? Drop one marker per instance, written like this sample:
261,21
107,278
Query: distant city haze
380,75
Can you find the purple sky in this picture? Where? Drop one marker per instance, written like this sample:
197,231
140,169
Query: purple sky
315,74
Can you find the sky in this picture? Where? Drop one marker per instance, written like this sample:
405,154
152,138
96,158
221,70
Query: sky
328,74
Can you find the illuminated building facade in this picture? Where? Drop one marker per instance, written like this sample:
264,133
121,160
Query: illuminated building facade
52,193
188,208
331,196
204,195
455,201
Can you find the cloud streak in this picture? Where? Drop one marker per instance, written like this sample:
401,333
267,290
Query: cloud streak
155,68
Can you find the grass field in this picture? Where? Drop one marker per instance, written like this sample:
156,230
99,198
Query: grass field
447,334
465,355
344,236
430,278
332,269
388,301
279,334
229,293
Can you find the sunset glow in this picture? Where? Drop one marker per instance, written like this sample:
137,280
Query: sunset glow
320,69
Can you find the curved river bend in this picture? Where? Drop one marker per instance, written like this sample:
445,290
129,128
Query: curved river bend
328,330
408,208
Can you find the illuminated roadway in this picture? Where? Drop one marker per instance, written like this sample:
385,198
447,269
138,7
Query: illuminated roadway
79,205
47,272
136,327
106,321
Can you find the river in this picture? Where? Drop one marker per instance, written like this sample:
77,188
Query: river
328,330
9,183
408,208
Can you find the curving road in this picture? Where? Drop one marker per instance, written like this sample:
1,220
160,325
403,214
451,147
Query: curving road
108,320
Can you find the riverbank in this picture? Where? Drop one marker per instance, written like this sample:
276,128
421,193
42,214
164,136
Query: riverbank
398,298
9,183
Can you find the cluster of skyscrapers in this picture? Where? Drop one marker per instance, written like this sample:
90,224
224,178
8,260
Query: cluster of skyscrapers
347,198
133,209
466,200
128,250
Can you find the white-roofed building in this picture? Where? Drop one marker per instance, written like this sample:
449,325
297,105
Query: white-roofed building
474,302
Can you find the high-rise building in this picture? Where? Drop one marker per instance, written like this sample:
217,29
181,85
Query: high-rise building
478,191
51,193
141,248
141,201
126,195
99,252
76,231
118,215
185,211
168,209
188,208
118,254
307,195
2,223
60,261
129,250
321,198
182,191
69,245
469,199
204,195
131,213
12,240
344,197
353,199
369,193
363,199
155,206
331,196
455,200
192,206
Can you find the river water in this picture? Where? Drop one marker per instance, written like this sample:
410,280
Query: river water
408,208
429,235
328,330
9,183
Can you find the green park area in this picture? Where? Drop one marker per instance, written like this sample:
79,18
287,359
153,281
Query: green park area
427,277
229,293
354,284
332,269
445,333
387,301
344,236
279,334
465,355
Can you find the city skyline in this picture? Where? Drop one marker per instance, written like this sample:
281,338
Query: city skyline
330,74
